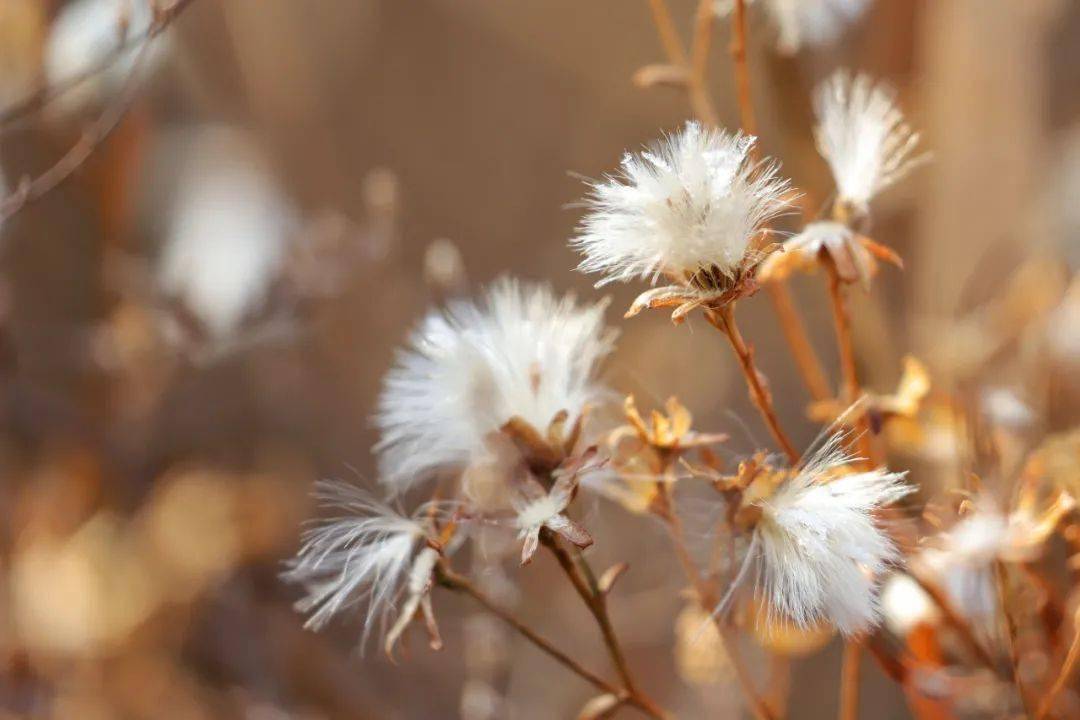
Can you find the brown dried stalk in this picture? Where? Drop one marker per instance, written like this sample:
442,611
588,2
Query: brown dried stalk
1010,635
1063,678
723,319
957,622
579,573
708,601
28,190
849,680
459,583
846,348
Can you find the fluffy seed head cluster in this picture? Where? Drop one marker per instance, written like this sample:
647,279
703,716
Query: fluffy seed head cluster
365,556
521,352
693,201
861,133
821,547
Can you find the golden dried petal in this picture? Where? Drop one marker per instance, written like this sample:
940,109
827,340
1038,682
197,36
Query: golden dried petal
681,419
700,656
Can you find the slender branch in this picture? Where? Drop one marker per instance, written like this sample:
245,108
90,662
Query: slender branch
724,319
707,599
1010,635
955,620
700,98
849,680
669,36
458,583
849,372
28,190
806,359
584,581
1063,678
742,70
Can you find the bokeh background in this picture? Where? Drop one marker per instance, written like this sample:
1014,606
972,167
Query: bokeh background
194,326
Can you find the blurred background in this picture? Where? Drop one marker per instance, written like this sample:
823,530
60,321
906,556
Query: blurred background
193,327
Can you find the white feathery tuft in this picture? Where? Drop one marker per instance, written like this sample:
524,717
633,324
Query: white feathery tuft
694,200
821,548
364,556
861,133
470,368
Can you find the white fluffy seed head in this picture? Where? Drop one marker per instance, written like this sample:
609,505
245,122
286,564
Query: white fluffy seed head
861,133
363,556
694,200
521,351
822,549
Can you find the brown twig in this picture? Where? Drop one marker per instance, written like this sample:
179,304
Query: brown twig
723,319
707,599
459,583
849,373
1010,634
1063,677
584,581
806,359
742,70
957,622
29,191
849,680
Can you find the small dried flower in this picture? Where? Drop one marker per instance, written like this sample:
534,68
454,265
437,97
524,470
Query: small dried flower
373,555
690,208
880,409
852,254
805,22
537,509
821,546
522,357
862,134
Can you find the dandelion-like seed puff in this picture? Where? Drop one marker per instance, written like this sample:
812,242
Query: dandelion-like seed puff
690,208
862,134
521,354
820,549
372,554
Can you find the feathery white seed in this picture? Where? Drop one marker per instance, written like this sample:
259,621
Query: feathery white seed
364,556
694,200
471,367
821,548
861,133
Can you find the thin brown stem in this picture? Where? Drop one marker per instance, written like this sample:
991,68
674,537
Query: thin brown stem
458,583
806,359
1010,634
851,390
707,599
742,70
1063,677
584,581
849,680
724,319
669,36
32,190
957,622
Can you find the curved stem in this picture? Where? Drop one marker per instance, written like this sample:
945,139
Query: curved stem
707,600
849,680
806,359
846,348
1066,673
584,581
724,319
742,70
458,583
